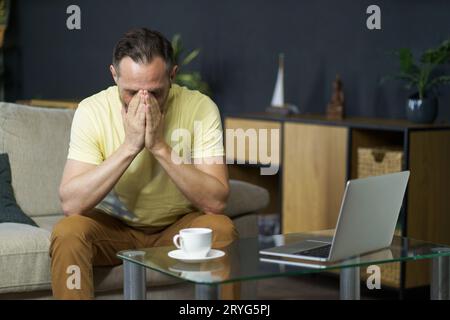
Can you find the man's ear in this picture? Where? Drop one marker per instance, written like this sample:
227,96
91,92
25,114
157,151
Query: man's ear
173,73
114,73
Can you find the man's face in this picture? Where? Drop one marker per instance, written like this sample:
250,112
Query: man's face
153,77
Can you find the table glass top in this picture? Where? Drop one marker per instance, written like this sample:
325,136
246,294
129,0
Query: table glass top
242,260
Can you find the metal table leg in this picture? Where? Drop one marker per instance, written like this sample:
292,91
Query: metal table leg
349,284
440,277
134,279
207,292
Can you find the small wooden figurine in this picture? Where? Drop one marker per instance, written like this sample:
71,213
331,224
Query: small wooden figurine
335,109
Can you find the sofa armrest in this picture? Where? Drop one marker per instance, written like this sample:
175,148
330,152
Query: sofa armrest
245,198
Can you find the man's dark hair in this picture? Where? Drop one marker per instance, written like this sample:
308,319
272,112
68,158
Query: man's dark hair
143,45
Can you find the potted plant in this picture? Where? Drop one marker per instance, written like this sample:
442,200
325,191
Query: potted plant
421,76
192,80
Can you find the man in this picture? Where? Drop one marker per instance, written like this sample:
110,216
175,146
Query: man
124,185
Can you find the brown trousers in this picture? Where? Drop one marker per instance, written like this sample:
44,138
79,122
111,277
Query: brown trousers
95,238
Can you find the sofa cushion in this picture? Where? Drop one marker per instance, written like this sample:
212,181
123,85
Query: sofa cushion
9,210
245,197
24,260
48,222
37,141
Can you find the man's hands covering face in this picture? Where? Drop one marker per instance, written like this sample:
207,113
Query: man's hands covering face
143,122
154,123
134,123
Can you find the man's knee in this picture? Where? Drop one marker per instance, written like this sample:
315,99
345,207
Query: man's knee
223,227
71,231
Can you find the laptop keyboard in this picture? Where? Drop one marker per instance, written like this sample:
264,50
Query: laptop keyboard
320,252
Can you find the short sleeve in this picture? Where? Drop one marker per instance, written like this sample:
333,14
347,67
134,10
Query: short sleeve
84,139
208,133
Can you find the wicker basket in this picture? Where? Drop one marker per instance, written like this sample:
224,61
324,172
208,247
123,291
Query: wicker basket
378,161
375,162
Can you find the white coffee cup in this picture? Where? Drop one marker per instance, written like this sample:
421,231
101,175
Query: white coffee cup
194,242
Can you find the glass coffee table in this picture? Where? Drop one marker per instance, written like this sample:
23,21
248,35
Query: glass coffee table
242,262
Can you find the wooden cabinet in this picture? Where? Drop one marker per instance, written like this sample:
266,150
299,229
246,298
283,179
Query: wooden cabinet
427,202
314,175
257,140
318,156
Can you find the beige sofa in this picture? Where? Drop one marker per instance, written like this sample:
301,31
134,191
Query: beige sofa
36,140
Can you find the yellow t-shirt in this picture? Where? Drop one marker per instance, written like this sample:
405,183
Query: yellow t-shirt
148,196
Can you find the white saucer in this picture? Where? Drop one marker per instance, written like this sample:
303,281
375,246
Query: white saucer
179,255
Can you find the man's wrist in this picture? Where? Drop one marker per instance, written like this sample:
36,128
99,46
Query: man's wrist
160,149
130,150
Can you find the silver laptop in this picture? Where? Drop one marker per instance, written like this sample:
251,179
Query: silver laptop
366,223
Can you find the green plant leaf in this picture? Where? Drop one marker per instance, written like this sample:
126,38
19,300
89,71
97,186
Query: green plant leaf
177,47
419,74
176,41
192,80
441,80
188,76
191,56
436,56
407,65
410,79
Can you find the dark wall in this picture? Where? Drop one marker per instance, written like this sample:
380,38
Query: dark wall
240,41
